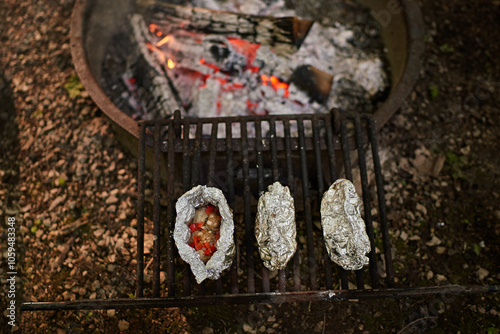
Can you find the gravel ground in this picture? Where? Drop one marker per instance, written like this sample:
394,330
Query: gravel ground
72,189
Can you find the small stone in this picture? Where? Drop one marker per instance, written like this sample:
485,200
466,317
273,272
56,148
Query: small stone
262,328
111,200
247,328
271,319
61,331
441,278
482,273
433,242
123,325
441,250
430,275
99,232
403,235
111,313
66,295
112,209
319,327
414,238
207,330
420,208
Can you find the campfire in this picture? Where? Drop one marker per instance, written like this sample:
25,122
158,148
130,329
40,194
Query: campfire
220,62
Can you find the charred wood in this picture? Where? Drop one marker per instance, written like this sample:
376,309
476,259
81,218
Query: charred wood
284,34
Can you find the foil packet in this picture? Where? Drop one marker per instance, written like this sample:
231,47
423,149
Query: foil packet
344,230
275,227
223,257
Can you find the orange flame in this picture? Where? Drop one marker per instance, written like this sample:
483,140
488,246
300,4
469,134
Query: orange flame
170,63
160,54
163,41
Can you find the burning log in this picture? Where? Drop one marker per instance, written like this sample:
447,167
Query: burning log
163,90
284,34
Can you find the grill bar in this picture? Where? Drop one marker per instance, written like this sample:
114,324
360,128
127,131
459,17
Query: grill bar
156,212
381,203
230,182
265,298
186,274
367,203
141,180
348,175
246,198
290,180
307,207
170,215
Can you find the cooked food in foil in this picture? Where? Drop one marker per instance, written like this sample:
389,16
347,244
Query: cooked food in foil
203,232
343,228
275,228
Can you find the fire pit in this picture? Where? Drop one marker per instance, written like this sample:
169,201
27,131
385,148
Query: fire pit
95,23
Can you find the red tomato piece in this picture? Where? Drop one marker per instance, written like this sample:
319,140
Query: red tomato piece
209,209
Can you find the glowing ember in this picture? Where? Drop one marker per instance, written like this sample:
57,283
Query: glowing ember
275,83
153,28
170,63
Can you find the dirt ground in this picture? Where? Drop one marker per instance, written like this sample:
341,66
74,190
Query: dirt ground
71,187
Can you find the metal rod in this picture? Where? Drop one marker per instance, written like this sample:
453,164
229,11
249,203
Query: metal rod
367,203
196,155
171,205
266,298
290,180
381,203
211,180
330,147
321,190
248,222
141,179
274,152
156,210
307,208
230,184
186,186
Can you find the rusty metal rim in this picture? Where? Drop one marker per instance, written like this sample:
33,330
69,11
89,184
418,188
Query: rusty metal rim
382,115
87,77
413,65
263,298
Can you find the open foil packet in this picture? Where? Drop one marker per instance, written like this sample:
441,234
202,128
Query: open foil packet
275,228
343,228
223,257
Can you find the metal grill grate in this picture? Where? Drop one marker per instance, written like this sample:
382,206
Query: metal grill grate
303,152
307,153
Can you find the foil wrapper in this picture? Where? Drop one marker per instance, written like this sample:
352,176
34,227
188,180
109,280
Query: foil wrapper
223,257
344,230
275,228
